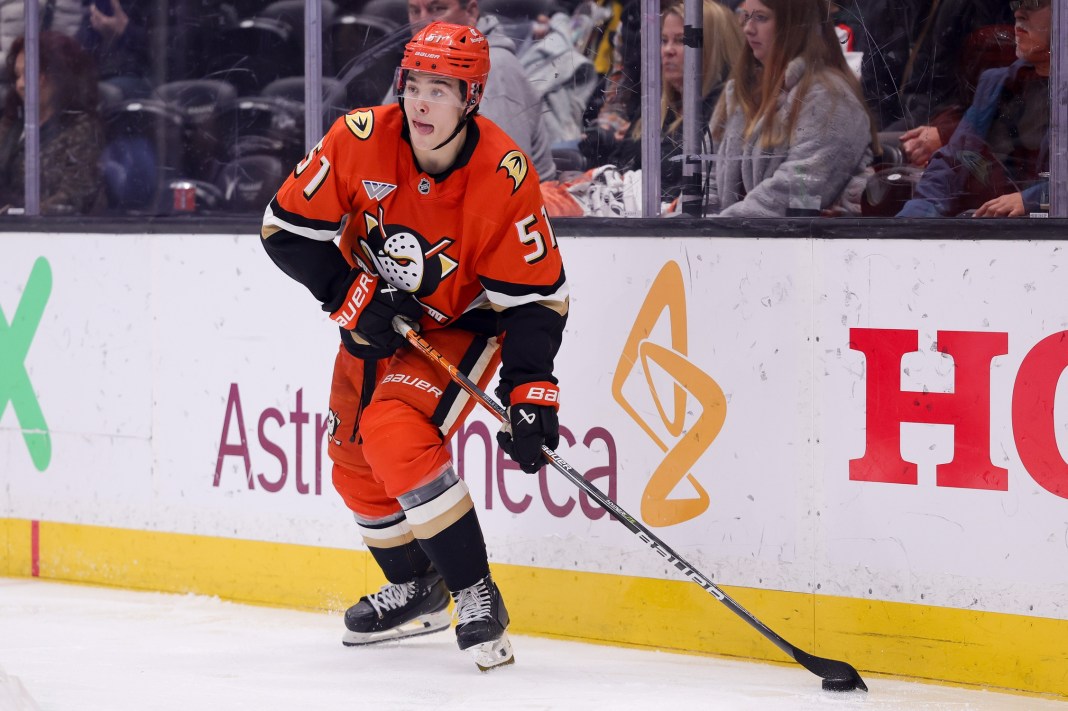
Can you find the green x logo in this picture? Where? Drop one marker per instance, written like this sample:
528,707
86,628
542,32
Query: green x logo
15,386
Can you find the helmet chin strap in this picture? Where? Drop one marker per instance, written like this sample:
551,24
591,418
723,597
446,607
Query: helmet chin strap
459,127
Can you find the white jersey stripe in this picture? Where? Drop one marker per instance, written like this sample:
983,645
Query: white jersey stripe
475,375
507,301
269,218
397,530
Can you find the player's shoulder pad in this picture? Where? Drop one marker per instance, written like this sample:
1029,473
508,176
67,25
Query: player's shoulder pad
362,123
516,167
510,165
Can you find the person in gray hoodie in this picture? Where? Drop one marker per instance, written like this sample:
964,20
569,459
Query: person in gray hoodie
791,133
59,15
510,100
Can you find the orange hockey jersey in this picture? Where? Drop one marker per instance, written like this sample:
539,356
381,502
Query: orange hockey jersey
476,237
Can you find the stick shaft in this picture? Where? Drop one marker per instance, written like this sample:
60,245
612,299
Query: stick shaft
826,668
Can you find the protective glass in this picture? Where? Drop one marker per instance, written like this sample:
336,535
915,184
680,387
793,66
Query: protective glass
411,85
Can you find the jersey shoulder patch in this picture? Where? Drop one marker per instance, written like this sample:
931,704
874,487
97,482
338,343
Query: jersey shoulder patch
514,164
361,123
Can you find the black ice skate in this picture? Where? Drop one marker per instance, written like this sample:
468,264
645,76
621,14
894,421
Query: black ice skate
482,619
398,611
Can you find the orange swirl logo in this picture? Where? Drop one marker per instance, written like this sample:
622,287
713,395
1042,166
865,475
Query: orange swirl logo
686,440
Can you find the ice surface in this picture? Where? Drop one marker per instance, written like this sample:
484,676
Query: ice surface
79,648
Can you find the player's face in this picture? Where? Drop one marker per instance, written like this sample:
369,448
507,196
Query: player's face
433,105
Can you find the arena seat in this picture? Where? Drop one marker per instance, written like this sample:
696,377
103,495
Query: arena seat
267,125
143,149
396,11
291,89
248,183
292,13
367,51
205,106
255,52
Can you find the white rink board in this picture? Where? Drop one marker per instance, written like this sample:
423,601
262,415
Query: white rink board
958,547
145,338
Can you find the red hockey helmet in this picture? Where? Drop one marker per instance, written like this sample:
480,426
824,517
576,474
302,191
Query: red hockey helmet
456,51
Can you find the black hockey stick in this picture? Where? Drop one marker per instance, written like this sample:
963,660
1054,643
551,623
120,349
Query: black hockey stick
836,675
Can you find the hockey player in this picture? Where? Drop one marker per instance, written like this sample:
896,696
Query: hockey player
442,223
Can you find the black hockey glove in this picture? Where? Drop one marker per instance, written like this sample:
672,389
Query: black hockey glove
532,422
368,306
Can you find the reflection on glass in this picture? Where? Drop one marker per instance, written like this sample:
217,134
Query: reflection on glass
210,93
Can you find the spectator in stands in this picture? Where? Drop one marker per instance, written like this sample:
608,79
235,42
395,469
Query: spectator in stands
791,132
613,140
118,42
509,101
955,41
995,160
617,58
70,133
564,78
884,31
59,15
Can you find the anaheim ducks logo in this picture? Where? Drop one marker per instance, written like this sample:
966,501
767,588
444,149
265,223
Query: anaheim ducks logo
514,164
332,423
361,123
405,258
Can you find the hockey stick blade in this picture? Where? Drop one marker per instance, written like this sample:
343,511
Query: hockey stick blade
836,675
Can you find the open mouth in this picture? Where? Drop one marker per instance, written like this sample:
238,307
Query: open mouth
423,129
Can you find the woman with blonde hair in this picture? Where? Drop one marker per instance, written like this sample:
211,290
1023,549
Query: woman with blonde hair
617,141
791,132
722,45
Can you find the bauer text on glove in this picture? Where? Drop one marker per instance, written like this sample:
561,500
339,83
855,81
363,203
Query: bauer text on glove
368,307
532,422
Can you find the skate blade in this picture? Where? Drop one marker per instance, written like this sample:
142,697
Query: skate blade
425,624
490,655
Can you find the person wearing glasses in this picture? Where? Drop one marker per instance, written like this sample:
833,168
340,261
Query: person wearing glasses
997,161
791,133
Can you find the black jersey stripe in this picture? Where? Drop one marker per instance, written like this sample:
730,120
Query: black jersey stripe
298,220
452,391
514,289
